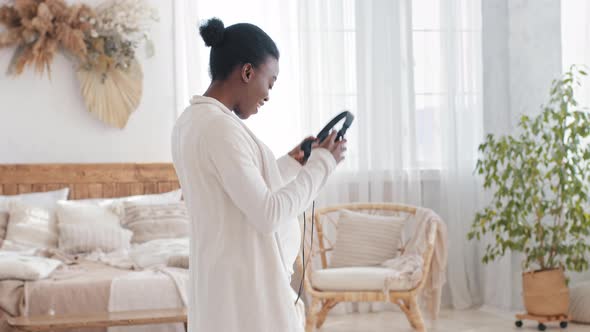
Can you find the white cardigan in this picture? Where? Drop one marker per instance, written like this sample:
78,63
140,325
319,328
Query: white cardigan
243,205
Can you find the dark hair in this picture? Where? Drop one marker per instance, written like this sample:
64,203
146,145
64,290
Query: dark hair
234,46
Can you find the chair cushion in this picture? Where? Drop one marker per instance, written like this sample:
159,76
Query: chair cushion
358,279
580,302
365,239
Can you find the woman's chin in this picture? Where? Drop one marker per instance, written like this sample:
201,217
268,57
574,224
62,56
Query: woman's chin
254,111
245,115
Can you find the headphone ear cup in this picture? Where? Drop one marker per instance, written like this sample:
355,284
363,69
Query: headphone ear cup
341,134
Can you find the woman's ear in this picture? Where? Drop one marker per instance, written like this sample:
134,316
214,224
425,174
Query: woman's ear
247,72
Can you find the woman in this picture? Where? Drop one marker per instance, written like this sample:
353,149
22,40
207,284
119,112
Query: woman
243,202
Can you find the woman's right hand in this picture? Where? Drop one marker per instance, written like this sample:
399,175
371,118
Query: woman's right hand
337,149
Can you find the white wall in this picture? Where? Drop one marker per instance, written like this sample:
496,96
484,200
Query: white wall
496,79
44,120
534,41
521,56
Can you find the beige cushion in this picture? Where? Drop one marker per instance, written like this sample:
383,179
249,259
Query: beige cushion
3,225
84,238
160,221
86,227
45,200
366,240
30,227
357,279
580,302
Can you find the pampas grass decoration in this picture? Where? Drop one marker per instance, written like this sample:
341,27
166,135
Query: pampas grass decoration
41,28
100,43
113,95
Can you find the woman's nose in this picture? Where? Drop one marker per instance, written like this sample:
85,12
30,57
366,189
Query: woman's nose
266,99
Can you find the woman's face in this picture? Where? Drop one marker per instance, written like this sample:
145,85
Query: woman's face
257,81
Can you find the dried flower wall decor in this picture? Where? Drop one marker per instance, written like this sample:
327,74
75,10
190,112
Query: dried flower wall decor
101,42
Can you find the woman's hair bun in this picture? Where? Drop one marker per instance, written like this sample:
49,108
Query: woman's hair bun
212,32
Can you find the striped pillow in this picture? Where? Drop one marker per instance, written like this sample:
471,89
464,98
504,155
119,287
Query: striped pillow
157,221
83,238
366,240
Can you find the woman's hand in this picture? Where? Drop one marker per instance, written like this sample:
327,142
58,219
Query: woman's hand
337,149
298,154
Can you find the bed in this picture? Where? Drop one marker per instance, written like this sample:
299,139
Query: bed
82,293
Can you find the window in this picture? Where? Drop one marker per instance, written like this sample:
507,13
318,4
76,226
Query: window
440,67
445,73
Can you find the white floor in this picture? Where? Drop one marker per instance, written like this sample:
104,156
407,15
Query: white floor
449,321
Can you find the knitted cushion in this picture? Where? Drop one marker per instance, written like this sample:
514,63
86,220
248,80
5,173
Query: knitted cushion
366,240
580,302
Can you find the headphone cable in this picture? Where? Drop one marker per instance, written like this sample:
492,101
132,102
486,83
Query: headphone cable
303,249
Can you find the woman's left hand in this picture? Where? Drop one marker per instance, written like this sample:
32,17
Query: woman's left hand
298,154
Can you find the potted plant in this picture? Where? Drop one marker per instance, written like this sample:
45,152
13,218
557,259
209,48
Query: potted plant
539,181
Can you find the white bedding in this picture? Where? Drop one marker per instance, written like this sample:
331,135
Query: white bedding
157,288
156,252
145,255
24,265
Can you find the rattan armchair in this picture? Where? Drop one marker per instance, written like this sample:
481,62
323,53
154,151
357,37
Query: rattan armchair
323,301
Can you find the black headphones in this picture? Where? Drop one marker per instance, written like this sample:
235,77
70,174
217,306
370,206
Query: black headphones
306,145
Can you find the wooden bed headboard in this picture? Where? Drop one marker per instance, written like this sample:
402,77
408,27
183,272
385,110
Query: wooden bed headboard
89,180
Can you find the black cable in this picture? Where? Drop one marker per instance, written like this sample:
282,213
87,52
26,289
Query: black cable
303,249
303,261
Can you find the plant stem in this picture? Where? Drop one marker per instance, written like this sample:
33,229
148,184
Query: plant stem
560,191
541,237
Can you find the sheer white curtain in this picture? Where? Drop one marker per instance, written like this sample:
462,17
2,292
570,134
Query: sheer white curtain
417,93
357,55
461,128
412,77
575,43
